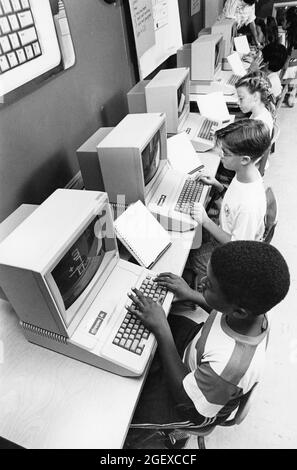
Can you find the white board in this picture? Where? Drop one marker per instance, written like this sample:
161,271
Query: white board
157,32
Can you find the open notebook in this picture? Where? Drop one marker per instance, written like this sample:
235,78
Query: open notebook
142,234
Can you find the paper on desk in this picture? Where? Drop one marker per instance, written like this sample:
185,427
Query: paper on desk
213,106
241,45
236,64
181,153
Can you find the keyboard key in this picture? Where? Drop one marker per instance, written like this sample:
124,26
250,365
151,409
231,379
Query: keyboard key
13,61
4,65
5,44
21,55
29,52
16,5
36,49
14,40
14,22
25,18
6,6
27,35
5,27
1,11
25,4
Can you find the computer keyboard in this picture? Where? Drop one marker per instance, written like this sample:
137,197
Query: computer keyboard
19,41
206,130
132,335
233,79
190,193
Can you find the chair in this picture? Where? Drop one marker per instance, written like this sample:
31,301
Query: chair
240,414
280,99
271,215
274,137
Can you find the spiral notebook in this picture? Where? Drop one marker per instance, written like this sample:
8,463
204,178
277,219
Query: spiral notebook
142,234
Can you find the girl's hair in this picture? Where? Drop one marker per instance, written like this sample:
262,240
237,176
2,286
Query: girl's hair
271,30
291,20
249,137
261,23
258,81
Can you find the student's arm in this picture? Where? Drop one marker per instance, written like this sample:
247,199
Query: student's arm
211,181
153,317
199,214
253,29
181,289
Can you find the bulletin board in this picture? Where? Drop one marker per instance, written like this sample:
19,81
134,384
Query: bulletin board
157,32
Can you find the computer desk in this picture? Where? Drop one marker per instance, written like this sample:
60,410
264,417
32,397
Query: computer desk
50,401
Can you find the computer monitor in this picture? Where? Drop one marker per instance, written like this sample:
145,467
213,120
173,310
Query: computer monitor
168,92
206,57
228,28
51,265
132,157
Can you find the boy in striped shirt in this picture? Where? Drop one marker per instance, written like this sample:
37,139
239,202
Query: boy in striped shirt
201,371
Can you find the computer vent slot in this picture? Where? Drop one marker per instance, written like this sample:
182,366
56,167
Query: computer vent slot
42,332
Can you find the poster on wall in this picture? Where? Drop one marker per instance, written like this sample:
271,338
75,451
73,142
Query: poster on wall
157,32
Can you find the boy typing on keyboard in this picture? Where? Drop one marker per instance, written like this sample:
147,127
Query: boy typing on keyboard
201,371
243,207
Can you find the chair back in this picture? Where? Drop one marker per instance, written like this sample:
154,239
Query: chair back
243,408
281,98
274,137
271,215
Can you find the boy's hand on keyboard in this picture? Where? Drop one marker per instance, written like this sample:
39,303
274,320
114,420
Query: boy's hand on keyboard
149,312
206,179
175,284
199,213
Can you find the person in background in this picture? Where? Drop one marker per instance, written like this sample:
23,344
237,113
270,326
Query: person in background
290,26
267,30
274,58
243,11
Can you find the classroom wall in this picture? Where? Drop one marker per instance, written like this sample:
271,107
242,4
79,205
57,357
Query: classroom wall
40,132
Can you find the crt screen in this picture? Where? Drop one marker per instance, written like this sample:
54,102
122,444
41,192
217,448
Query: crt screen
81,262
181,99
151,158
217,52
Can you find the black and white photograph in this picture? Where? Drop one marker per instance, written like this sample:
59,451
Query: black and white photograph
148,254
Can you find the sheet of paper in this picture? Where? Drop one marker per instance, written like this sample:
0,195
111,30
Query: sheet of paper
182,155
241,45
143,24
236,64
213,106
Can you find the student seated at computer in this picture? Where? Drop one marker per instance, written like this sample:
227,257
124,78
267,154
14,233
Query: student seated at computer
255,97
274,57
243,11
243,206
201,371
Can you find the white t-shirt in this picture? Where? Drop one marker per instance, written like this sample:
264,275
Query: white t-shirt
276,86
224,365
243,210
266,117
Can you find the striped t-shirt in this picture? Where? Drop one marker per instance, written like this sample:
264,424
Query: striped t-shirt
225,365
